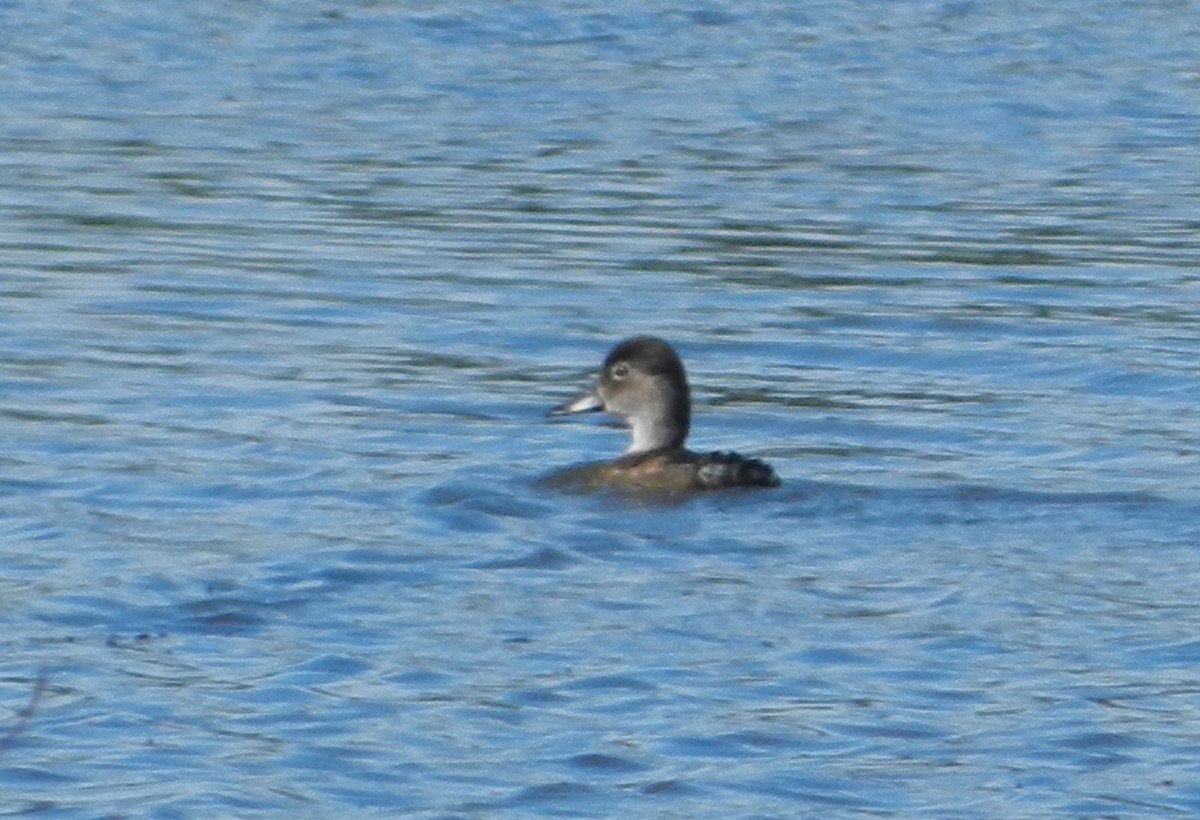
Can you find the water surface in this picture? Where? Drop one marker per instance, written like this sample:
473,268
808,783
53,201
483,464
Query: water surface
286,291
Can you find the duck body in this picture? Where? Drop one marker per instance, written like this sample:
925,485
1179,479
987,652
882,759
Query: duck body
643,382
682,470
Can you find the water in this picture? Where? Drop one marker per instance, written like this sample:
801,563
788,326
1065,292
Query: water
287,289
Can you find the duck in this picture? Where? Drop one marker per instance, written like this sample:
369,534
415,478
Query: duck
643,382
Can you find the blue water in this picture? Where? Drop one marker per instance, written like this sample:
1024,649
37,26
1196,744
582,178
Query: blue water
286,291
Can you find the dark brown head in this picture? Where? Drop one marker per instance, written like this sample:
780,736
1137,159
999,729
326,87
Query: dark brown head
644,383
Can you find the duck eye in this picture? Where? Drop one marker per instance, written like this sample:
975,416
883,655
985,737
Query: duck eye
620,371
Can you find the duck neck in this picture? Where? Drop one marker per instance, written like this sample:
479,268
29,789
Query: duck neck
659,432
652,436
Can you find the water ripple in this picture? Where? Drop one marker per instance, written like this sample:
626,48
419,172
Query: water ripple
287,293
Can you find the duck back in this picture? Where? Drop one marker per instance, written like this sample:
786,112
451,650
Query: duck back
717,470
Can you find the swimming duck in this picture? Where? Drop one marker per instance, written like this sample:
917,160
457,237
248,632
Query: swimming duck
643,383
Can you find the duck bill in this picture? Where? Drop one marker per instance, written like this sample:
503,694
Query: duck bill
585,403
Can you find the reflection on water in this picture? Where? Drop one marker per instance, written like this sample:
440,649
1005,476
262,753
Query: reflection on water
286,294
